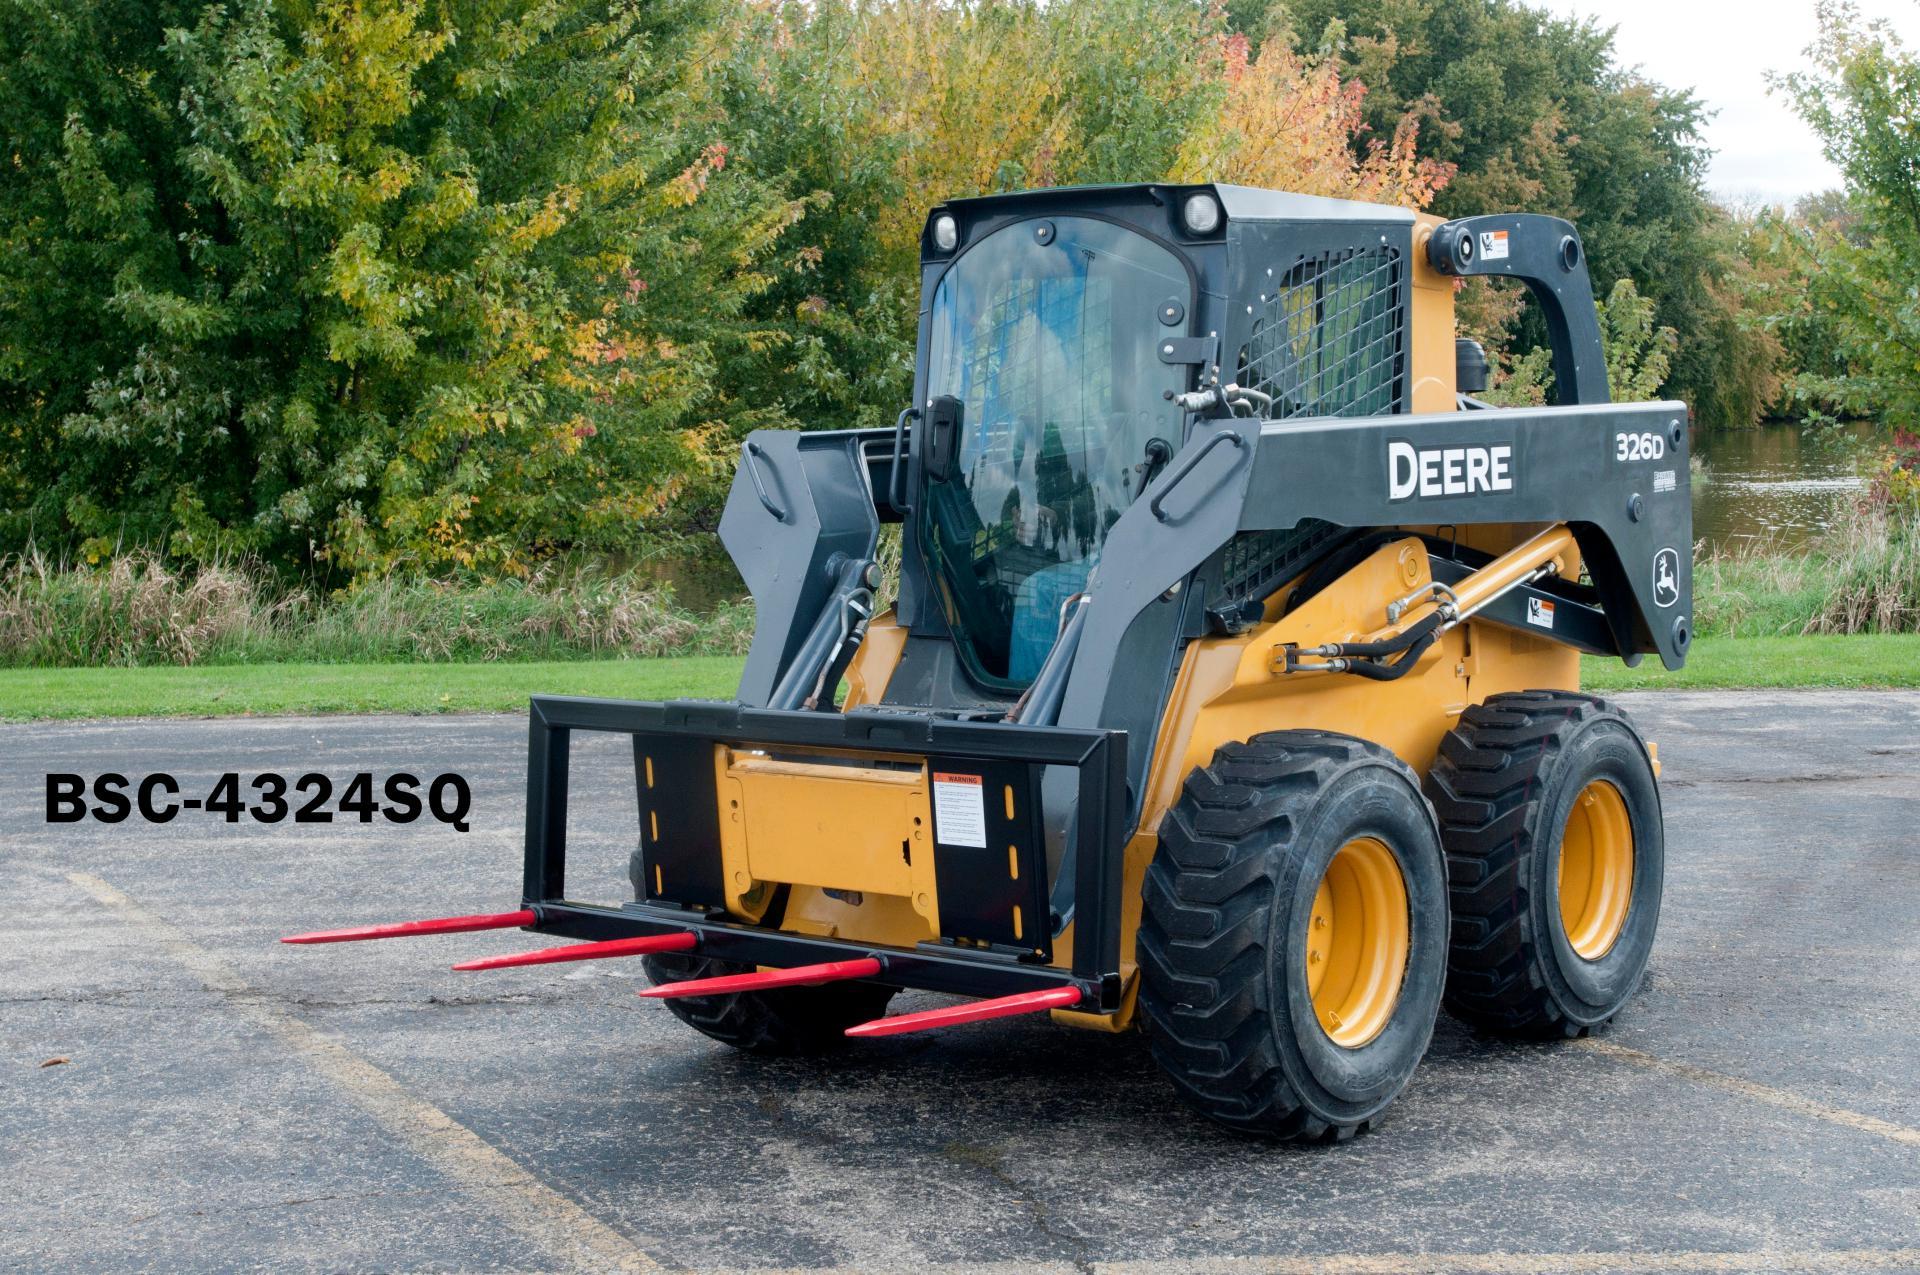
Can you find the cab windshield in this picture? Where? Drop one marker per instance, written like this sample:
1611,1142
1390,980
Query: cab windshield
1045,332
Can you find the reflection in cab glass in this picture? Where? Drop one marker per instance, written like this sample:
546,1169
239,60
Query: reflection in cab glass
1044,334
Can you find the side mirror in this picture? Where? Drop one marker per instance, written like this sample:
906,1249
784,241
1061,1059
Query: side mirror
942,450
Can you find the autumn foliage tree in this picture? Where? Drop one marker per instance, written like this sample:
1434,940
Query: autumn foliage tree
880,110
1289,121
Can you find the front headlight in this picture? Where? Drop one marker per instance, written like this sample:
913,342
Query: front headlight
946,232
1201,213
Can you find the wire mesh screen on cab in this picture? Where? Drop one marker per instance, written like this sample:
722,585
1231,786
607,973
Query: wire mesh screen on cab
1330,340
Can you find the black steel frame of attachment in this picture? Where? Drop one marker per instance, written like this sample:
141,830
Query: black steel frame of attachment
1098,757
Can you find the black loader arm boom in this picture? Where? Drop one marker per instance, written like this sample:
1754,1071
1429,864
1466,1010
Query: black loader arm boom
1616,474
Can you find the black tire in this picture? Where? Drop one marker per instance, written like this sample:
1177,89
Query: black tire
1228,901
1504,785
785,1022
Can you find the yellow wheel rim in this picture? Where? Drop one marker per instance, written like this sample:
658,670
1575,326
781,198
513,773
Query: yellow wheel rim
1357,942
1596,870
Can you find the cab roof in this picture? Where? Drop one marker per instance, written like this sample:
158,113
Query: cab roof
1240,203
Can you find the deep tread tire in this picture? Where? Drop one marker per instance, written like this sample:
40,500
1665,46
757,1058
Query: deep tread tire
786,1022
1503,786
1227,902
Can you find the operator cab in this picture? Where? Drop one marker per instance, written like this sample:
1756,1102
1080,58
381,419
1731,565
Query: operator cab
1065,337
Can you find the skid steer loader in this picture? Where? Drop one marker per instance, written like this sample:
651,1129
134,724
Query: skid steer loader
1231,691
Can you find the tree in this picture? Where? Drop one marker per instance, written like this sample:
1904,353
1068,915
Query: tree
1537,116
1638,353
883,108
1292,122
355,284
1862,96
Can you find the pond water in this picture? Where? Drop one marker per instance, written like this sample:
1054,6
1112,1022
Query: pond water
1779,484
699,572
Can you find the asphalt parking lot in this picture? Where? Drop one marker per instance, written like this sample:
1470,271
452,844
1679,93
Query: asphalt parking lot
230,1103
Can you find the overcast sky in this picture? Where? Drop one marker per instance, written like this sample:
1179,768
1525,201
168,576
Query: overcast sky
1722,49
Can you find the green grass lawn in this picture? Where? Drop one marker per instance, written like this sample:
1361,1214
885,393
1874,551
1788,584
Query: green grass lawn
350,688
1717,663
1856,661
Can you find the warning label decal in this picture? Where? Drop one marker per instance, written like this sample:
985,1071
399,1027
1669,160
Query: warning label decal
959,810
1493,245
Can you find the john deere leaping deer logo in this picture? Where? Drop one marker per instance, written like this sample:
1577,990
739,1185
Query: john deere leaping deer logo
1666,577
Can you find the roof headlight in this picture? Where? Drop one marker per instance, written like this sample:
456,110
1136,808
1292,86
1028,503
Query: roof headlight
946,232
1201,213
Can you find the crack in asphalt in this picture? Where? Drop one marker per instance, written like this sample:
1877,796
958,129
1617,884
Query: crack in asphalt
984,1159
993,1163
176,998
1836,777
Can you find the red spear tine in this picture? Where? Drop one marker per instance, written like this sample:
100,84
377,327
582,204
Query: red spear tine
438,925
971,1012
799,975
678,942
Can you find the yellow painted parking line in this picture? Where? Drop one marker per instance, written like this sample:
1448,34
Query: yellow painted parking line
561,1228
1758,1092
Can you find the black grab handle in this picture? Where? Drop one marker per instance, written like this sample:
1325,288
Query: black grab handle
897,474
753,454
1186,465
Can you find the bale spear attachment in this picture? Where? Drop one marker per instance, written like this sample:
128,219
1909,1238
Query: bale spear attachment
972,1012
798,976
407,929
641,946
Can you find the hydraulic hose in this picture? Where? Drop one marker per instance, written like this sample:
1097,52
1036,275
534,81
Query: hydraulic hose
841,624
1393,645
1538,556
1398,668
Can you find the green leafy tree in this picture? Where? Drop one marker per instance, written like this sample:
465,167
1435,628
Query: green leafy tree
1637,349
1862,95
873,111
356,284
1538,116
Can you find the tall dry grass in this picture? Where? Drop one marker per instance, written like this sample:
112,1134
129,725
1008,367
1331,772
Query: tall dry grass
131,610
136,610
1862,577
